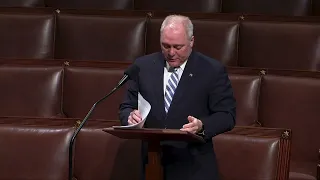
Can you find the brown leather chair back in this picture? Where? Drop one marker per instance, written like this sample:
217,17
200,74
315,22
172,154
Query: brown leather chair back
92,4
83,86
205,6
26,34
246,88
269,7
31,91
100,155
253,153
291,100
100,37
34,151
280,45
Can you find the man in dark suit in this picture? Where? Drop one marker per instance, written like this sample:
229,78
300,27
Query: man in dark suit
188,91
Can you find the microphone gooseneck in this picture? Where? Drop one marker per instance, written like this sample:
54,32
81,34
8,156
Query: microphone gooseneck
131,73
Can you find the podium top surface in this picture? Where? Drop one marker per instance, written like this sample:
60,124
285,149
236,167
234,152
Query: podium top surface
150,134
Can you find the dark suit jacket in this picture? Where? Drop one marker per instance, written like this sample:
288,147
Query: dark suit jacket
205,92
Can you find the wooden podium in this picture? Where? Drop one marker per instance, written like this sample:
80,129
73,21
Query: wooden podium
153,137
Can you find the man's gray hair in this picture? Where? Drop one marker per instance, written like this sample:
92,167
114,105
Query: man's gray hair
172,20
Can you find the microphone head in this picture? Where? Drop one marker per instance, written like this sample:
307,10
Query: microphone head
132,72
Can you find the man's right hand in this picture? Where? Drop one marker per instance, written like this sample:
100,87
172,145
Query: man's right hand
134,117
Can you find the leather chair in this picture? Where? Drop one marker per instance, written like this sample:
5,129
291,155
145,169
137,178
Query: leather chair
34,151
246,88
27,34
99,155
270,7
286,45
92,4
289,99
205,6
253,153
89,35
100,37
83,86
34,91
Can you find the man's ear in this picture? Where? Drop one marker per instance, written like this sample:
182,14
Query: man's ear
191,41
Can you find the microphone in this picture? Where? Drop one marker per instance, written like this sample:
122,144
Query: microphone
131,73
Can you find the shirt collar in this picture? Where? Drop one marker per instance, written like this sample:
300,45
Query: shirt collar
182,66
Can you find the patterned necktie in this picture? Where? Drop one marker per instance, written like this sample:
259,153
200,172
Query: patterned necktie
170,89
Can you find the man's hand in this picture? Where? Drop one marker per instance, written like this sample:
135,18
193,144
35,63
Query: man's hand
134,117
194,125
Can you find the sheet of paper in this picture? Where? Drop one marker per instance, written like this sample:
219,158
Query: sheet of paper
144,108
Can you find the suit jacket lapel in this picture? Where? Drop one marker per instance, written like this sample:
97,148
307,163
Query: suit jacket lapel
184,83
158,84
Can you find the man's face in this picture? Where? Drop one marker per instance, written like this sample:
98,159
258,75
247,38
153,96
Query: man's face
175,45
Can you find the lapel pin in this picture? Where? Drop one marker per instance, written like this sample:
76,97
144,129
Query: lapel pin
190,74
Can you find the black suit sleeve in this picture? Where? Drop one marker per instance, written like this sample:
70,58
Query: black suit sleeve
130,102
222,105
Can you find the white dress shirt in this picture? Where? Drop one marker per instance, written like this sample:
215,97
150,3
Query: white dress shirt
167,74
